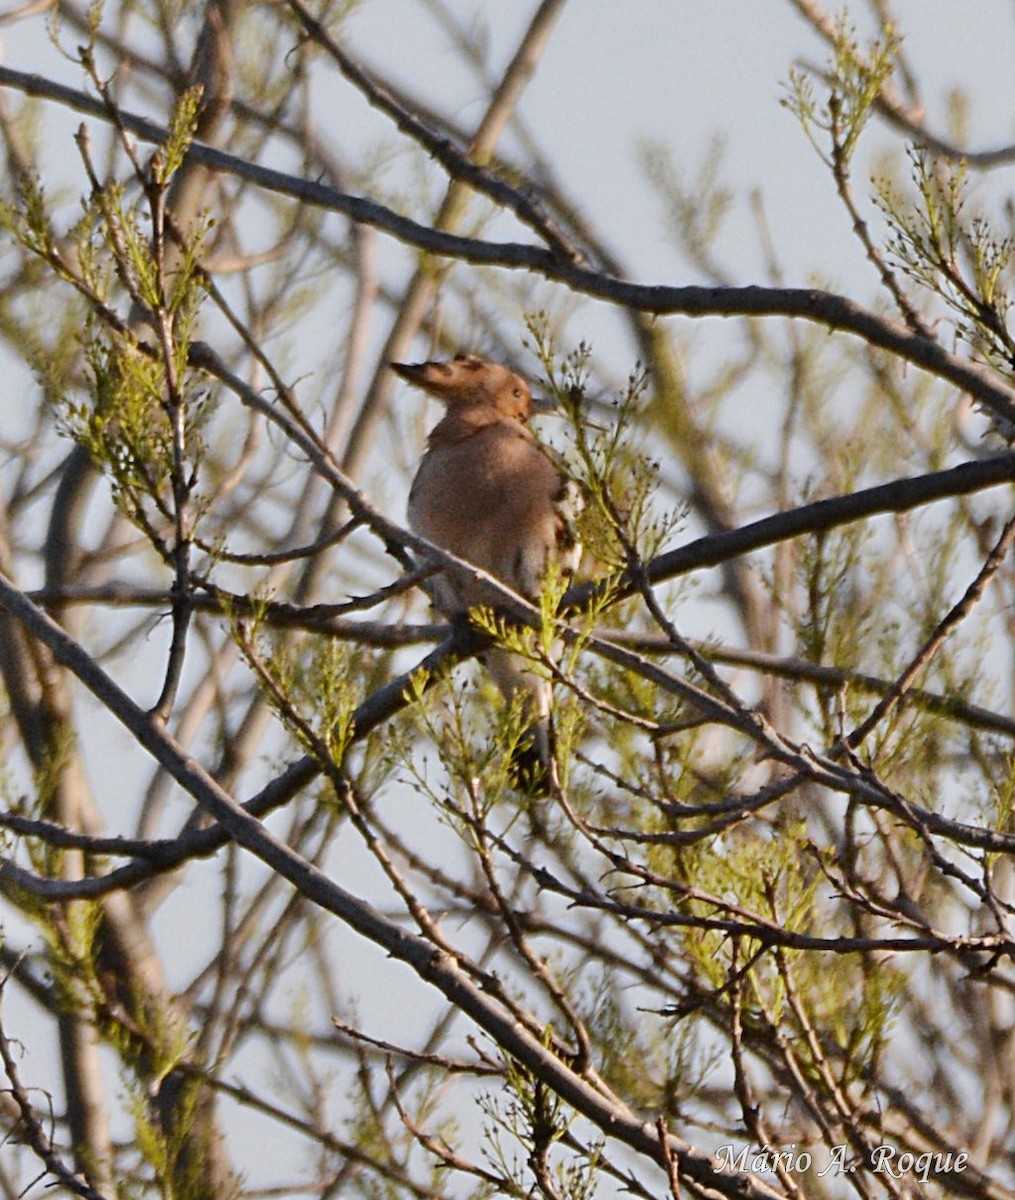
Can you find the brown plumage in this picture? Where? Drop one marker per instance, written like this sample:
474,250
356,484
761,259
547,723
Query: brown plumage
486,491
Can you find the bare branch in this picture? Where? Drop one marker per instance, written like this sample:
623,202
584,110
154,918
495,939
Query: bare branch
811,304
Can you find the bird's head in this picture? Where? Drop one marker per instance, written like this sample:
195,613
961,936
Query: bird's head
467,381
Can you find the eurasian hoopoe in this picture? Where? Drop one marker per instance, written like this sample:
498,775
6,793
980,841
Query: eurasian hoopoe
487,492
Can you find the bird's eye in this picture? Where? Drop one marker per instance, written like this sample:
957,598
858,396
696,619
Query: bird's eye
518,393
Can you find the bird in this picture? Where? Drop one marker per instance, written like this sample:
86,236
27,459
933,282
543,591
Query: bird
489,493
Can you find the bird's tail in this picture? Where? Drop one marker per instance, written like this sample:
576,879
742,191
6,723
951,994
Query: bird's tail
520,683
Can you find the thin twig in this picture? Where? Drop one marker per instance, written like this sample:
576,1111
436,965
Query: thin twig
34,1134
926,652
812,304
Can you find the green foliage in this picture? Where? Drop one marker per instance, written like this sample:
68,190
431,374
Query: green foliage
173,151
113,231
839,613
125,427
954,255
835,1011
1003,795
476,734
657,1066
71,937
529,1117
137,395
775,881
771,876
312,683
728,887
48,341
176,1151
620,523
27,216
856,80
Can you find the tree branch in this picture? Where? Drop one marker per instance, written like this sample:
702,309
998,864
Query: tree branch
833,311
35,1135
435,967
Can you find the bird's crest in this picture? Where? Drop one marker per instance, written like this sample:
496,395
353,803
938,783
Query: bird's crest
472,382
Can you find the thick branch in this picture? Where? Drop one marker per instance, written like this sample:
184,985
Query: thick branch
435,967
900,495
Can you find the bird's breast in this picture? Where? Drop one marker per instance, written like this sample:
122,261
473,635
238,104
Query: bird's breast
490,499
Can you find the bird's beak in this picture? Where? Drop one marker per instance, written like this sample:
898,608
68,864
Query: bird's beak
409,371
545,404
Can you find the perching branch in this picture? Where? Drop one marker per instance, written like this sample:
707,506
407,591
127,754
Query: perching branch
439,969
